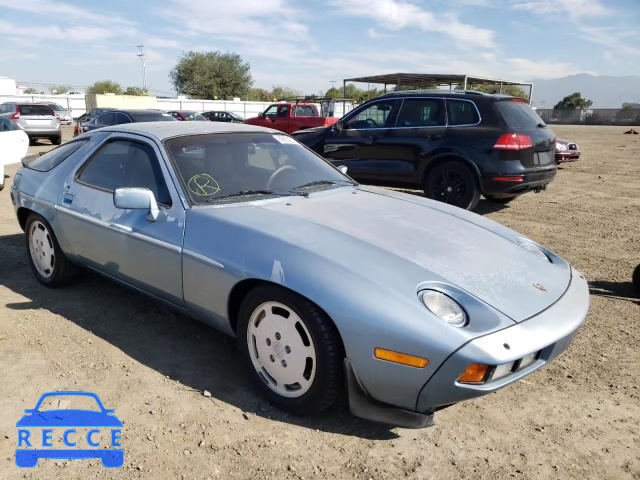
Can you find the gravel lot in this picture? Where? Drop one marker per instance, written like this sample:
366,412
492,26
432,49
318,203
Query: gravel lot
578,418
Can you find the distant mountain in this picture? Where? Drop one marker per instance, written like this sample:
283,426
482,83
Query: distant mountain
605,91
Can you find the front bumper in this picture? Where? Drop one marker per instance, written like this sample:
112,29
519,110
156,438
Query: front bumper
550,332
568,156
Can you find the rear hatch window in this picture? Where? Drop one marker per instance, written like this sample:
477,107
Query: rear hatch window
54,157
519,114
35,110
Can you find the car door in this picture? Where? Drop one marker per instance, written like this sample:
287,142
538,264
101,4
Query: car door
360,143
124,244
417,136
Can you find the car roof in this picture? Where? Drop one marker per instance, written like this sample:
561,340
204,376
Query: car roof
466,94
164,130
134,111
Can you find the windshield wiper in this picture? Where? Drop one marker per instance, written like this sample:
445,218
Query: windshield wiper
246,193
324,182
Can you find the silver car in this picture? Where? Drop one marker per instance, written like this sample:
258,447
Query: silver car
37,120
417,304
62,112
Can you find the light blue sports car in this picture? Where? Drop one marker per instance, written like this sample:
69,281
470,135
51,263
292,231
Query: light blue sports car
332,288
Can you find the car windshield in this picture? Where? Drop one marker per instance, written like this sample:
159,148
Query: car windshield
235,167
57,108
65,402
193,116
235,115
152,117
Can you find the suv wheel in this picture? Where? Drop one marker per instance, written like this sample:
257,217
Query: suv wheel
57,140
454,183
293,349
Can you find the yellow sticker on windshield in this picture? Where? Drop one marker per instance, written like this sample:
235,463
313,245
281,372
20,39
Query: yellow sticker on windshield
203,185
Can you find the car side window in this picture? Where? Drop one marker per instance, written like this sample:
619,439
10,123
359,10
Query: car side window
421,112
282,111
122,118
460,112
376,115
271,111
106,119
55,157
123,164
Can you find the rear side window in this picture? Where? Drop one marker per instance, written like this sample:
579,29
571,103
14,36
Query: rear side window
518,114
304,111
106,119
56,156
39,110
460,112
421,112
122,164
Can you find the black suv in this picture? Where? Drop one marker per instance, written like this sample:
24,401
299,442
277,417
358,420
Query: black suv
454,145
118,117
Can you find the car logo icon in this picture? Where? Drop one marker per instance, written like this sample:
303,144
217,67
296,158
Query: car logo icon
51,422
540,287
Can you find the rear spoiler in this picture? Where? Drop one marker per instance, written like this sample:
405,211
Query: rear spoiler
27,160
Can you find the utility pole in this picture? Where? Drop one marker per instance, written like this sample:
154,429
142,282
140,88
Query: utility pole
144,68
333,83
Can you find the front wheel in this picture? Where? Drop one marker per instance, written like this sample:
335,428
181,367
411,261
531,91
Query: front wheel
454,183
294,350
48,263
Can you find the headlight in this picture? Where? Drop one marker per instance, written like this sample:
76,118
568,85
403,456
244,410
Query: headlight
444,307
561,146
532,247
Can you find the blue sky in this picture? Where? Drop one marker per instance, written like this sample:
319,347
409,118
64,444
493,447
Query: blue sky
304,44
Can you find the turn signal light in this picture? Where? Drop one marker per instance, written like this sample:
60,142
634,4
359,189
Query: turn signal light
513,141
401,358
474,373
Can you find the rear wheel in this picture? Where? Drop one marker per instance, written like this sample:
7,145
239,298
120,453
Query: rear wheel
454,183
57,140
293,348
636,278
48,263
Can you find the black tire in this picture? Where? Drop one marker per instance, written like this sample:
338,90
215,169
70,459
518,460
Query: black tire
454,183
636,278
504,200
57,140
32,141
62,271
327,384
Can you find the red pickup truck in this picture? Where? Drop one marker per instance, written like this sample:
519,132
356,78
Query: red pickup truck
291,117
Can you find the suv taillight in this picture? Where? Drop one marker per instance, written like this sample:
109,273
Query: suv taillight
57,117
16,115
513,141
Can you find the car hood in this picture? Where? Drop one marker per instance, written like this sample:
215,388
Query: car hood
467,250
69,418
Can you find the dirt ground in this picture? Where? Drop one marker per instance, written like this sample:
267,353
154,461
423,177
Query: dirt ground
577,418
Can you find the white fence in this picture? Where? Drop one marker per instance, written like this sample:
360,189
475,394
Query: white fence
77,105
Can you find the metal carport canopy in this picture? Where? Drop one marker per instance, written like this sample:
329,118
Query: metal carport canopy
420,79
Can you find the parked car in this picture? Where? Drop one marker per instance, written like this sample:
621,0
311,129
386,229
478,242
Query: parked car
87,117
37,120
231,117
117,117
14,144
566,151
62,112
455,146
186,116
291,117
419,305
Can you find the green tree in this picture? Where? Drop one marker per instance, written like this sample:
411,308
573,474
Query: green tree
30,91
259,95
280,92
512,90
104,86
60,89
211,75
137,91
573,102
333,92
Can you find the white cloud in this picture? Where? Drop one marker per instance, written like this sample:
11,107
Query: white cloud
575,8
399,14
619,40
50,8
373,33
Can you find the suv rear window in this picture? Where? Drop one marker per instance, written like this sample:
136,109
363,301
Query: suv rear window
39,110
518,114
55,157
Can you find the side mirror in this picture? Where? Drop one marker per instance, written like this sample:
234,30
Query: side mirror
338,126
137,199
343,169
261,115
